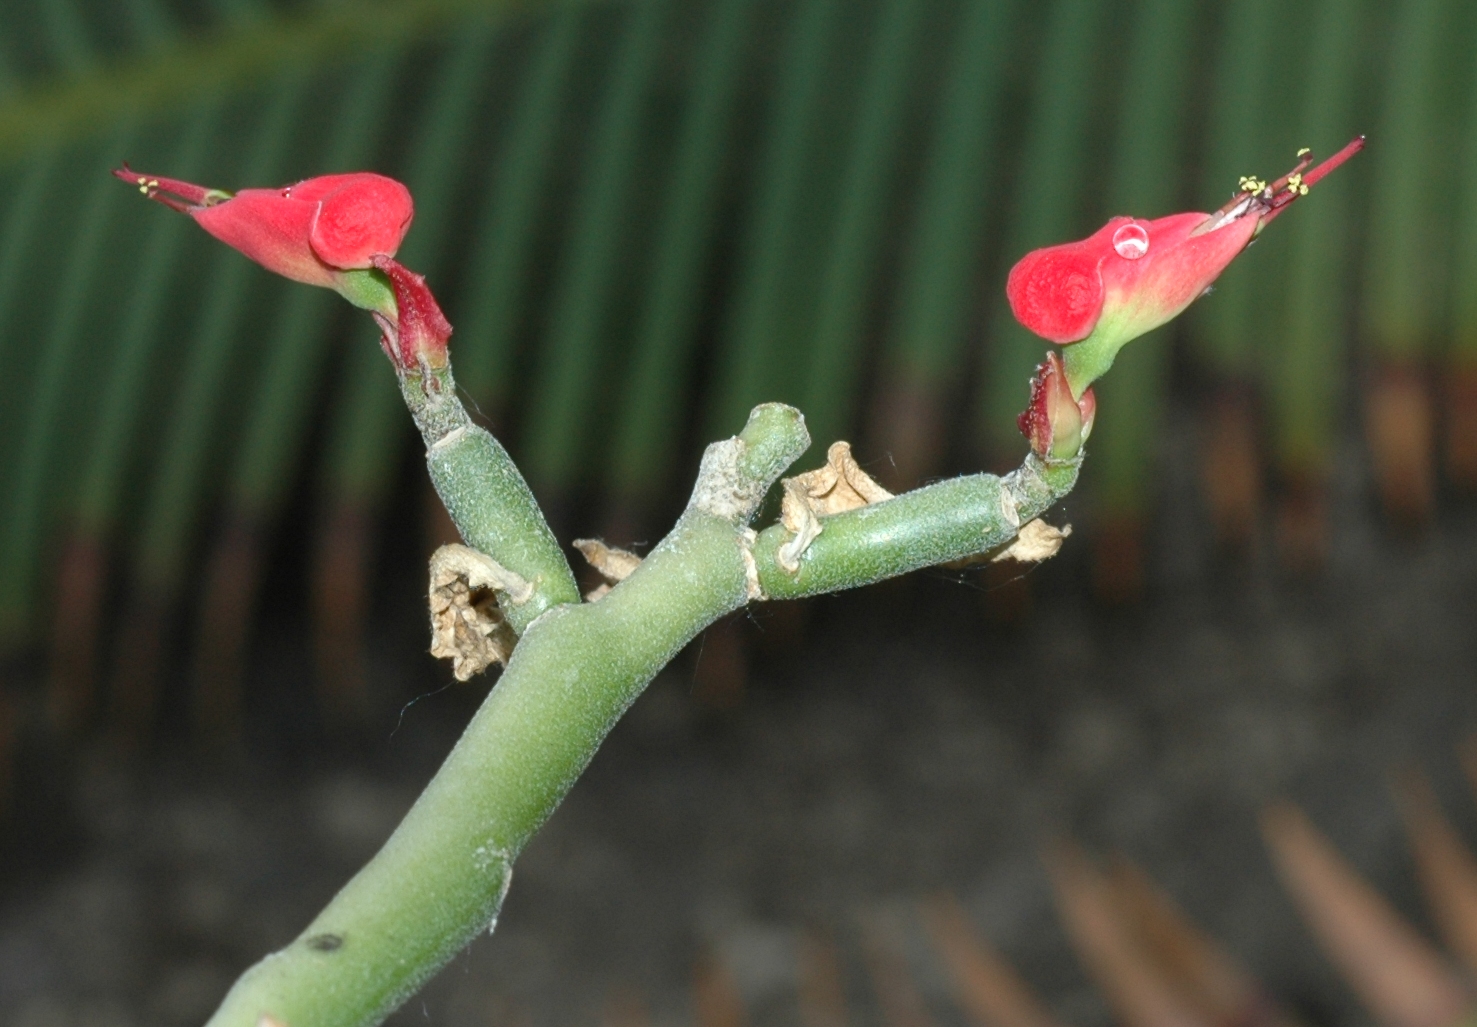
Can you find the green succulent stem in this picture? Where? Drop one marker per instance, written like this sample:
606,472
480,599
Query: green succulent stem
489,502
939,523
439,881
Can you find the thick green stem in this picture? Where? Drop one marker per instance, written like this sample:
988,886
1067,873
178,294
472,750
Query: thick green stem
486,496
440,879
936,524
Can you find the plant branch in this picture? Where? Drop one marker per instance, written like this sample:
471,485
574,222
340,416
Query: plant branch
440,879
487,498
947,521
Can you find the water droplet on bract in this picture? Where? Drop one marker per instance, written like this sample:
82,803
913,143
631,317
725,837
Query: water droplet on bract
1131,241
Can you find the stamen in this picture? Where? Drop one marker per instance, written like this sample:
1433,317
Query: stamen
1298,181
172,192
1265,201
1355,145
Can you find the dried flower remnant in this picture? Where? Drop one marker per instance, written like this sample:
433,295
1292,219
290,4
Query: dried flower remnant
611,563
839,486
1036,542
467,625
1132,275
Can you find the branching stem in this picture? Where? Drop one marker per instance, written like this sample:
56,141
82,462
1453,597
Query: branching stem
441,878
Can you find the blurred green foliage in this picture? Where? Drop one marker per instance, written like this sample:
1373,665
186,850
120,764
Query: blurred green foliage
643,216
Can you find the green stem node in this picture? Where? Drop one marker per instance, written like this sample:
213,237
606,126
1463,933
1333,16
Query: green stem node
940,523
486,496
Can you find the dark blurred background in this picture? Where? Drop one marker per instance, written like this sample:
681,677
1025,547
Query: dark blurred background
643,217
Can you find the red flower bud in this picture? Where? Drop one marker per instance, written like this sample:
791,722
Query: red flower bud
311,232
1055,422
1132,276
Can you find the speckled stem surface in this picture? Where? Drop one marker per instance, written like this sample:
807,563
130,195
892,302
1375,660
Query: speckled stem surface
939,523
486,496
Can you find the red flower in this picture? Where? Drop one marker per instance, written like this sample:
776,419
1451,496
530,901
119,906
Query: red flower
337,231
310,232
1132,276
1056,423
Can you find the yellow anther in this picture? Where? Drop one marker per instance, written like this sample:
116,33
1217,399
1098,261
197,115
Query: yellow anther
1304,152
1295,181
1252,184
1302,189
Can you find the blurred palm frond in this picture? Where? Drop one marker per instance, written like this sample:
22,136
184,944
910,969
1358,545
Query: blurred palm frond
645,216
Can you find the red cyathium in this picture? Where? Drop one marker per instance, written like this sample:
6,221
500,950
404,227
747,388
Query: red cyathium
309,232
1132,276
336,231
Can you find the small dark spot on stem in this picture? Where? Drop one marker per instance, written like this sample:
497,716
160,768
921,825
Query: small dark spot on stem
326,942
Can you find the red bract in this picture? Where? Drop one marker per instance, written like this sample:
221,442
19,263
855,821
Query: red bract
1132,276
1062,292
420,331
309,232
1055,422
338,231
